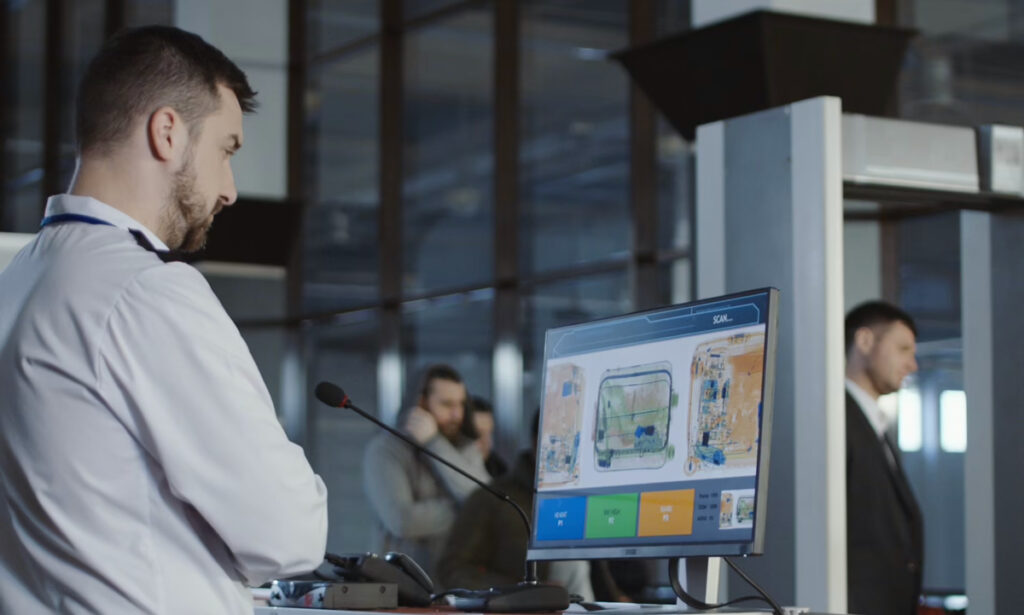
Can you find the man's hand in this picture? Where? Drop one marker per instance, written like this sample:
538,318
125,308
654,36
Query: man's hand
421,425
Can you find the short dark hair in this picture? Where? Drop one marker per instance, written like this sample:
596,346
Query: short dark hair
875,313
139,70
475,405
479,404
436,372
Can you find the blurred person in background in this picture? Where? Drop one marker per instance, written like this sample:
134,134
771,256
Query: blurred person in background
414,497
479,425
885,535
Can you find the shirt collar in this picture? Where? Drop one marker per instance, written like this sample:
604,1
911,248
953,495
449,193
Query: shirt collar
88,206
869,406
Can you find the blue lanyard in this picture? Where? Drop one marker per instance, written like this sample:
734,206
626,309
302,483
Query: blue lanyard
57,219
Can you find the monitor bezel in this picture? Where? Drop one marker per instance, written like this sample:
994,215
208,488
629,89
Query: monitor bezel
754,546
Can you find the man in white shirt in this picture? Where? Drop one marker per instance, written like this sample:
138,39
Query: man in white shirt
142,466
885,530
414,497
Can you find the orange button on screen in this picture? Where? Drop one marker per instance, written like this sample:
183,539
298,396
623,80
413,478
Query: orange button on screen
666,513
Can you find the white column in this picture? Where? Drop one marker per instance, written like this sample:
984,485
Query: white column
769,213
710,219
992,290
979,471
818,309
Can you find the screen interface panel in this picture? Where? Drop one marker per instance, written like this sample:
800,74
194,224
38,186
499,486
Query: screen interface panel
650,427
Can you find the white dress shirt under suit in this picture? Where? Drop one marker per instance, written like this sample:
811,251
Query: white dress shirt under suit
142,466
869,406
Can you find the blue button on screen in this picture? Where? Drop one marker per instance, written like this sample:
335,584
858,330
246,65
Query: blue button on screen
561,518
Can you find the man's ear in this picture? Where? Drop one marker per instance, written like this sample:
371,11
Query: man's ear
864,340
165,134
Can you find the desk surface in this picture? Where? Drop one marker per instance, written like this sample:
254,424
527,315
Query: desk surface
611,608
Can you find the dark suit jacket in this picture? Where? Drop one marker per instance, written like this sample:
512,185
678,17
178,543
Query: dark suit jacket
884,528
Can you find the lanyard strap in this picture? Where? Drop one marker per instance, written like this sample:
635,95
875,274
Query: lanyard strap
140,238
57,219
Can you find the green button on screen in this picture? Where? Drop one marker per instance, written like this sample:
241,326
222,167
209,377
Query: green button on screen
612,516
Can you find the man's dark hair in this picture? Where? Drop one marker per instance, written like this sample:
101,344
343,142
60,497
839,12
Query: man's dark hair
479,404
432,373
474,405
875,313
139,70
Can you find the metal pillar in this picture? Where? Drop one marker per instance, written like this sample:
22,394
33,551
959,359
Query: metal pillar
769,213
992,292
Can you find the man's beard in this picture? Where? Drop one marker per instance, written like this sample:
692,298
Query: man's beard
184,212
451,432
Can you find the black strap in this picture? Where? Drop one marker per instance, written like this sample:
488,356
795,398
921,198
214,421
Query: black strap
167,256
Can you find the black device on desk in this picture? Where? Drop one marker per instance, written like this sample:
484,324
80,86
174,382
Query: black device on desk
414,586
357,581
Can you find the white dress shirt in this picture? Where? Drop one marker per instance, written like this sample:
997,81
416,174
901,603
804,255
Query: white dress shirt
869,406
142,466
878,420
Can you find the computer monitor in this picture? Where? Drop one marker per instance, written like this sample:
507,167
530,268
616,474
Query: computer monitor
655,431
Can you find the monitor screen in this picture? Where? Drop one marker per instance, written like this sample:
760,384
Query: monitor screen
654,432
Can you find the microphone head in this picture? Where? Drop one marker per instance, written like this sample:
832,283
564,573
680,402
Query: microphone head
331,394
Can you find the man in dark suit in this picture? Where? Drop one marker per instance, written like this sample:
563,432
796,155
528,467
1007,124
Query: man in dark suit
885,533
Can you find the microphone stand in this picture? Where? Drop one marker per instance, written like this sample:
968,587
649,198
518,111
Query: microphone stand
501,599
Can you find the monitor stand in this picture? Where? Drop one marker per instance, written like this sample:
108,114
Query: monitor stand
701,578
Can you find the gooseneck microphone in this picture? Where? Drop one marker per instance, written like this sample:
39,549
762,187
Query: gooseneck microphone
333,395
526,596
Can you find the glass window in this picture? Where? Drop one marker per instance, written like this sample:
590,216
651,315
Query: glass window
448,209
23,209
676,189
675,281
911,431
963,68
929,274
574,145
341,237
84,29
23,198
953,421
24,140
418,8
454,329
335,23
